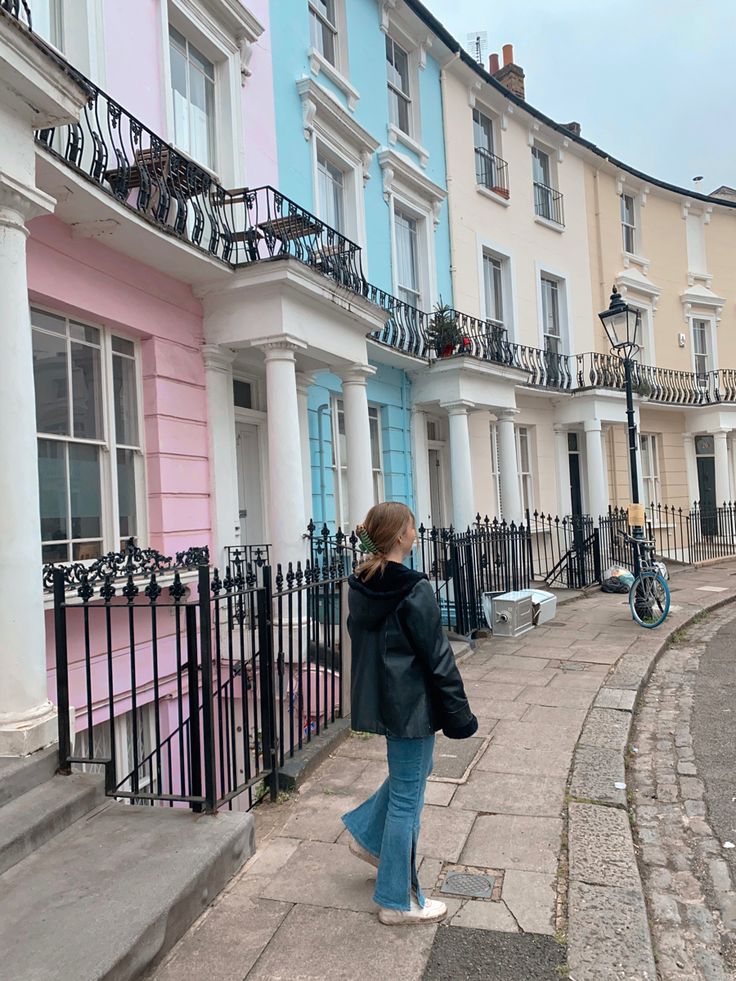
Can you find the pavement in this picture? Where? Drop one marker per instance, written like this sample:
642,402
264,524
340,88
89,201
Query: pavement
684,789
537,803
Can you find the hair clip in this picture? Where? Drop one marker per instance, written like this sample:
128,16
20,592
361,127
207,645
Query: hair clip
365,540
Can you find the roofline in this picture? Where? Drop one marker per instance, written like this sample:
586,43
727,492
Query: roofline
454,46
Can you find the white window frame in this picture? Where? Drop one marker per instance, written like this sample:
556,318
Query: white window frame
650,475
405,292
339,72
633,229
486,247
340,466
416,60
223,33
495,148
108,444
407,190
525,434
79,34
647,355
334,133
554,185
564,306
495,469
124,758
711,353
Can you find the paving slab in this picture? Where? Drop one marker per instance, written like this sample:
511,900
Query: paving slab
318,817
444,832
562,717
595,775
608,937
439,793
506,841
607,729
323,874
531,898
560,696
482,915
452,757
540,760
601,849
493,689
511,793
315,944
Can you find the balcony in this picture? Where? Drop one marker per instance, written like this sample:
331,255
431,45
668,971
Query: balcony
491,172
548,204
18,9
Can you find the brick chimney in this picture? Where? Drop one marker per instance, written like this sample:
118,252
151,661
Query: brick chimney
724,192
573,127
510,75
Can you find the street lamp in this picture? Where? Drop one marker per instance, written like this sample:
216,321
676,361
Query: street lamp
622,324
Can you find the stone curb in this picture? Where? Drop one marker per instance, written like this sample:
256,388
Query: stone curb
608,927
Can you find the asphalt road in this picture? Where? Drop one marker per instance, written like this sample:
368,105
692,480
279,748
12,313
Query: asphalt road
713,726
463,954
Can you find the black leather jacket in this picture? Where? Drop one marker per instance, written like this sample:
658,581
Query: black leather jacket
405,682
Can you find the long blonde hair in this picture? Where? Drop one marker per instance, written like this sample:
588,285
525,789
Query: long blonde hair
379,533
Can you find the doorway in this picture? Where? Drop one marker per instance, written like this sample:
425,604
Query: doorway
706,464
436,488
250,494
573,456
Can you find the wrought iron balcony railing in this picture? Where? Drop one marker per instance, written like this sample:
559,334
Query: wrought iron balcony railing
491,171
18,9
128,161
548,203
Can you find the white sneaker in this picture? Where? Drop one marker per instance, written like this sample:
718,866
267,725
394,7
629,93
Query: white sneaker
362,853
432,911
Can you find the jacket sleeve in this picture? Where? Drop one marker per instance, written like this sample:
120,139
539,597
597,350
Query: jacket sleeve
419,619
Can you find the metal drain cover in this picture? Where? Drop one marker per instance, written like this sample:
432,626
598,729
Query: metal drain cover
468,884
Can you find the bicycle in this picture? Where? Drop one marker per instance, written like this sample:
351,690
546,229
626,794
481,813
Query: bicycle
649,596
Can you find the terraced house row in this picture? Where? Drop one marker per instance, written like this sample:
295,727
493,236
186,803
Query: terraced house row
268,262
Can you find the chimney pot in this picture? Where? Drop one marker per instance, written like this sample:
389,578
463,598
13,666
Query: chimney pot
494,64
508,54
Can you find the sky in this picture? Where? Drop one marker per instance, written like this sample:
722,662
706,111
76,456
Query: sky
651,82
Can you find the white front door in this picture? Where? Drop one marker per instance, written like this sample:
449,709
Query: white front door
250,494
437,488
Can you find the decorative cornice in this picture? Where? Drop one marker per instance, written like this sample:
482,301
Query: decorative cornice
217,358
399,173
318,63
322,112
20,202
701,297
385,8
458,407
357,374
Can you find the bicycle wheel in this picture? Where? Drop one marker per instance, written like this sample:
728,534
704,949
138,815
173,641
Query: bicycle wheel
649,599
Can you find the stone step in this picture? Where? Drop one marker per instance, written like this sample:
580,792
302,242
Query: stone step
44,811
20,774
109,896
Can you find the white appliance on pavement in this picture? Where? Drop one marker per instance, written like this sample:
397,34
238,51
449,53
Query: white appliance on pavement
515,613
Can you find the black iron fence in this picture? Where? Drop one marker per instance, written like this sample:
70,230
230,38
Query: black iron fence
490,557
196,686
565,551
491,171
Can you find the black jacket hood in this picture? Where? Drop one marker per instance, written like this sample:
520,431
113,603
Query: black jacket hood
374,599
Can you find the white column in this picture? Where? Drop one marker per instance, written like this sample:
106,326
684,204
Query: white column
358,441
288,522
27,718
461,465
562,457
596,469
420,450
303,381
691,467
723,482
508,467
218,365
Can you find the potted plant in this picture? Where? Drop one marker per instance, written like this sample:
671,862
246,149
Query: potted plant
444,332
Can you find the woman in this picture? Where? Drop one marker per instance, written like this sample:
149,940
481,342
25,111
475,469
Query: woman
405,685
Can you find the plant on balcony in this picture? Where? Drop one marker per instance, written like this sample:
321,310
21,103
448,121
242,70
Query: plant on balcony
444,332
642,387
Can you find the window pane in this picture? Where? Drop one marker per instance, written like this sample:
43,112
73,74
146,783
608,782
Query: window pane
121,346
242,394
51,383
494,289
86,391
201,115
344,513
179,93
482,131
124,396
200,62
331,188
83,332
55,553
84,490
406,252
53,492
375,439
126,494
540,162
48,321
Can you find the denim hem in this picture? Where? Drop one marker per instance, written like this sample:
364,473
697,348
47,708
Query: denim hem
401,909
357,838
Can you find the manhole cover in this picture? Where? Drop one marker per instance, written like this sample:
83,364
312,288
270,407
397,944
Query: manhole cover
468,884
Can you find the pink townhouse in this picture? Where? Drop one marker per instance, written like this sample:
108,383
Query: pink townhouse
121,133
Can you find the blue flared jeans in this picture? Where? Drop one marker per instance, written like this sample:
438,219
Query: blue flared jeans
387,824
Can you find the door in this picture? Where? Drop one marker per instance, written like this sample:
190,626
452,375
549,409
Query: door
250,497
705,458
573,455
436,488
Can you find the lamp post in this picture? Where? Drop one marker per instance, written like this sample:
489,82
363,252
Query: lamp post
622,323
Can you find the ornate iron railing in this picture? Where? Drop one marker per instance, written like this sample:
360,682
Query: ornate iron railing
491,171
548,203
18,9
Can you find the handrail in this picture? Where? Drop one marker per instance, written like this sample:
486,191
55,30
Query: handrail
548,203
20,10
492,171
